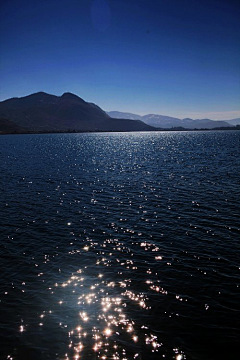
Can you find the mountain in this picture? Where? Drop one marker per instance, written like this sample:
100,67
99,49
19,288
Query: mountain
8,127
120,115
167,122
203,123
41,112
162,121
234,121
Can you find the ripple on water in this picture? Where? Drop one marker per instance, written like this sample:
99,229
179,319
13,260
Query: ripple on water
120,252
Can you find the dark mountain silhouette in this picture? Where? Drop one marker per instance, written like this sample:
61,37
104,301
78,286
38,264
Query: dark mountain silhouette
8,127
41,112
168,122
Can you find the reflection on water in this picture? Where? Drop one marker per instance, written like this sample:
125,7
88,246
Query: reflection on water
105,325
102,318
121,246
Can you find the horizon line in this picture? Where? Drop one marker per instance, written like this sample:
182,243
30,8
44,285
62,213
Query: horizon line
210,115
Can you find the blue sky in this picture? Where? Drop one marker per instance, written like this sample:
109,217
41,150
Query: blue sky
174,57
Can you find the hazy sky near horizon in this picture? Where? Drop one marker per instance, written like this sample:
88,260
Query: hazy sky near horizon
177,57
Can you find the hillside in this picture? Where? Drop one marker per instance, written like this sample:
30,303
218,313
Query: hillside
8,127
168,122
41,112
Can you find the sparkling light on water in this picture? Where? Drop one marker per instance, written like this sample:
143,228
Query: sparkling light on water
120,247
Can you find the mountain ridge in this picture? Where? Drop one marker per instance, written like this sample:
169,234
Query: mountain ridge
42,112
168,122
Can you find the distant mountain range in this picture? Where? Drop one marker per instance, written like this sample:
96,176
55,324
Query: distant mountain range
167,122
42,112
234,122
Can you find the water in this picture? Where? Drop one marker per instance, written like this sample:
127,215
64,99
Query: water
120,246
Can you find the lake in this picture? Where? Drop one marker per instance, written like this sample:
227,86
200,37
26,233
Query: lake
120,246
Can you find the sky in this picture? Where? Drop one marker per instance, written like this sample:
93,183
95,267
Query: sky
171,57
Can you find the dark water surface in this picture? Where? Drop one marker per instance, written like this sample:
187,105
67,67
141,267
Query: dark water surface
120,246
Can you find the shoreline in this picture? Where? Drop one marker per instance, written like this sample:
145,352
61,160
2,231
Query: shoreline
237,127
